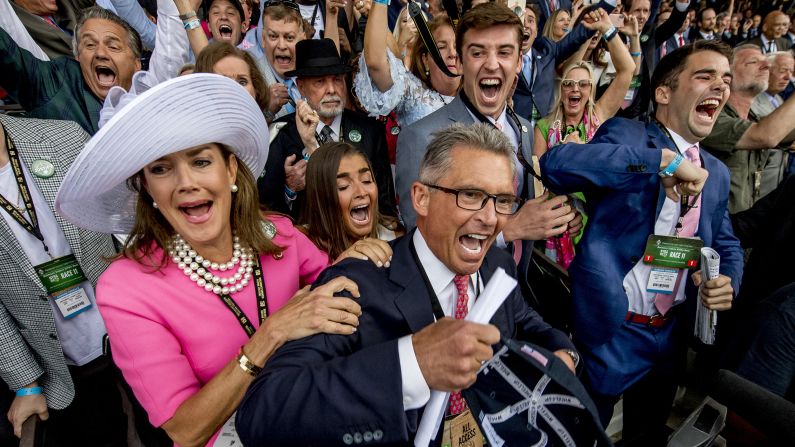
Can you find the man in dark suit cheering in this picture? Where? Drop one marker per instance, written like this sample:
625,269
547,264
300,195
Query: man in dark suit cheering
319,119
373,385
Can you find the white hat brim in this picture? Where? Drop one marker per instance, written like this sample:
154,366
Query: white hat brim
175,115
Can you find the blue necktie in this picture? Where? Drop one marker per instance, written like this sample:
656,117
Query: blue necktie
292,90
527,68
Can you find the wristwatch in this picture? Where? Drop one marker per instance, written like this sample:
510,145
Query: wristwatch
575,357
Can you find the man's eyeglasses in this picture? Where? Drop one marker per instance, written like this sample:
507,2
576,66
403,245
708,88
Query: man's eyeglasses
475,199
570,83
287,3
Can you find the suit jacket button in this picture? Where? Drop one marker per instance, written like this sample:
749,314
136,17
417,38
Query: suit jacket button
347,438
377,435
368,436
53,336
357,438
642,168
634,259
43,297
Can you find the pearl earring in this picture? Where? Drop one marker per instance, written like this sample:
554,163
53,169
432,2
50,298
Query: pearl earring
154,204
234,188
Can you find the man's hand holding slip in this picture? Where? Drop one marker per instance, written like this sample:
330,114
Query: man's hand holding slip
716,294
450,352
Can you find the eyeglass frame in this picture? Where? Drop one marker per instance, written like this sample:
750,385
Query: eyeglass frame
288,3
518,200
579,82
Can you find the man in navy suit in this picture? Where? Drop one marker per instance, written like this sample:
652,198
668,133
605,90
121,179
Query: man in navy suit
540,57
372,385
634,177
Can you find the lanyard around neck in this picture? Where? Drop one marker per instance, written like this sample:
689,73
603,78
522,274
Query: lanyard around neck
31,226
262,301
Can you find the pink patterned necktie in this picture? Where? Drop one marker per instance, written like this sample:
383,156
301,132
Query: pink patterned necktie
662,301
457,403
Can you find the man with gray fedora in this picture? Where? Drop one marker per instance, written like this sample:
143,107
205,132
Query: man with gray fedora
321,117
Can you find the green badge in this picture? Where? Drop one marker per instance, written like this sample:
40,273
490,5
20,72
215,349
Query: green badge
524,128
42,168
673,252
395,130
60,274
355,136
644,38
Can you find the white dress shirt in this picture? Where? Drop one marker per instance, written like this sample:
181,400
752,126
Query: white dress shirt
80,336
415,390
641,301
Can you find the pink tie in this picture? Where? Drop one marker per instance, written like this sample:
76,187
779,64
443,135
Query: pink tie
664,50
662,301
681,41
457,403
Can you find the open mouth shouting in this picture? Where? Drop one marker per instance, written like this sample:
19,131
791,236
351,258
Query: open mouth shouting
196,212
573,101
473,245
225,32
360,215
283,61
490,90
106,76
707,109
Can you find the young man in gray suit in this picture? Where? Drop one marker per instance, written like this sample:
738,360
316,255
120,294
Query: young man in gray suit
51,333
489,42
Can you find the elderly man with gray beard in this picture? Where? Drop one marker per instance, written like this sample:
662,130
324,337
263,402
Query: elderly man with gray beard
742,139
321,117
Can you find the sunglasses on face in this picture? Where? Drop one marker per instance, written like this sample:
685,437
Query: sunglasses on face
570,83
287,3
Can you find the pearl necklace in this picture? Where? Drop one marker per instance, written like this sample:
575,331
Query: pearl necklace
198,269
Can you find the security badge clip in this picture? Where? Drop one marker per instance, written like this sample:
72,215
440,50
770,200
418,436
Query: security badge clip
668,255
62,278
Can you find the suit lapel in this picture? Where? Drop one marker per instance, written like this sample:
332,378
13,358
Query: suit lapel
413,302
660,140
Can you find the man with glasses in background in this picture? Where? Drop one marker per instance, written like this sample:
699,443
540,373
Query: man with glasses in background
372,385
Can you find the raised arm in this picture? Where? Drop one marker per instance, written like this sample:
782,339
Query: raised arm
171,51
28,80
375,46
134,14
613,97
196,37
672,25
332,31
772,129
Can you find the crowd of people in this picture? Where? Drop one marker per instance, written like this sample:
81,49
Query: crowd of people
265,222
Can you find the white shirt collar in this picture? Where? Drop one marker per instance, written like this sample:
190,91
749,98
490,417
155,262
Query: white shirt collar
438,274
335,127
681,144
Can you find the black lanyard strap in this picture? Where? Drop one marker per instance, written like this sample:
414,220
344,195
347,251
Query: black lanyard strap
685,203
31,226
435,304
262,301
528,168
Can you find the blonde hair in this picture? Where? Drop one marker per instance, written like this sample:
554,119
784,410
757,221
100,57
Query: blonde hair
557,114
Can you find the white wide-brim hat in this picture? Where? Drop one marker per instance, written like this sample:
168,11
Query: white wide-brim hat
172,116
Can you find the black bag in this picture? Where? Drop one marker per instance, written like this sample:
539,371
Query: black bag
526,396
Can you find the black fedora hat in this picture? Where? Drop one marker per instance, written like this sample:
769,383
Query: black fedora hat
317,57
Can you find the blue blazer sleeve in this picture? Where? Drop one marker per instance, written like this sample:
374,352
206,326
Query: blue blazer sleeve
605,163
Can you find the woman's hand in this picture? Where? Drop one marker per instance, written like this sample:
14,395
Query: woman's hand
630,28
311,312
573,137
373,249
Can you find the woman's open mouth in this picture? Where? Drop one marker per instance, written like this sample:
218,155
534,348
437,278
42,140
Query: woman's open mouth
361,215
197,212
